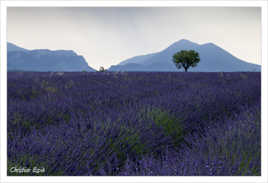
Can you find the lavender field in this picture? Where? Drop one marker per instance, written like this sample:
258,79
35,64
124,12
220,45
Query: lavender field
135,123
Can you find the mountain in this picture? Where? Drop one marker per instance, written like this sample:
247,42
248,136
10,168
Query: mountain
128,67
212,59
44,60
138,59
13,47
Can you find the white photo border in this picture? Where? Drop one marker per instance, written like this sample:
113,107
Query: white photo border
122,179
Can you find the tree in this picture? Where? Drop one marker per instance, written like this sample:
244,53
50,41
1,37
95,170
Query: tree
186,59
101,69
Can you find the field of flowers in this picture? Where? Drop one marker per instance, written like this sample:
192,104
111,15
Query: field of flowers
182,124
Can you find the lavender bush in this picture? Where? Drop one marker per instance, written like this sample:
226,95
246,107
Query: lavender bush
135,123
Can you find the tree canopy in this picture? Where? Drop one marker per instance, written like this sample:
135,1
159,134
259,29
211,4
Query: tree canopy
101,69
186,59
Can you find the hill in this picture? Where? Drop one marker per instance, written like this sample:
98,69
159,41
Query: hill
44,60
213,59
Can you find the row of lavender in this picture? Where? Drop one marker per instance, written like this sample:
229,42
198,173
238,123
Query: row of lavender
135,123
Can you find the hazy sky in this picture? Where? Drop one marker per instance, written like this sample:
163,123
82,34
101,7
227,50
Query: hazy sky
107,36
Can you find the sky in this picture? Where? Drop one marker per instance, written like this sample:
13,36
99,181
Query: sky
107,36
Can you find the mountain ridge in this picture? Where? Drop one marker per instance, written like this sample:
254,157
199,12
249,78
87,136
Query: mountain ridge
45,60
213,59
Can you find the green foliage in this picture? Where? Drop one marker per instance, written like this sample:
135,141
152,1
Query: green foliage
66,117
128,139
126,144
243,76
101,69
170,124
47,87
44,84
69,84
51,89
186,59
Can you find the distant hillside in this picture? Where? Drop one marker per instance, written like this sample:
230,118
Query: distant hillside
213,59
44,60
137,60
13,47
